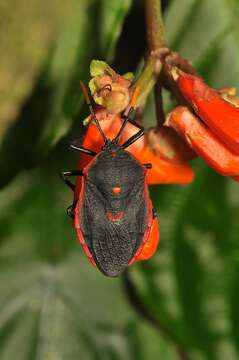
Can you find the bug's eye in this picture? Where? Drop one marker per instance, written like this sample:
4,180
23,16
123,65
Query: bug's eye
116,190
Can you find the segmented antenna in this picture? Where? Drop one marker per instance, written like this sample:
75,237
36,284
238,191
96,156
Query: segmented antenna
88,101
132,104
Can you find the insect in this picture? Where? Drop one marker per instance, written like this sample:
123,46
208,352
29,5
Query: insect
112,212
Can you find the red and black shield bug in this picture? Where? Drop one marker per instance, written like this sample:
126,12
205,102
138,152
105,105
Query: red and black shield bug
113,214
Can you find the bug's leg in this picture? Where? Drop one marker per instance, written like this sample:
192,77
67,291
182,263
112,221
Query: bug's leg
65,174
135,124
82,149
133,138
70,210
130,118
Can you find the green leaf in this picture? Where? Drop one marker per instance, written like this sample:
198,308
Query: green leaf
27,35
111,15
56,100
129,76
215,35
71,62
98,68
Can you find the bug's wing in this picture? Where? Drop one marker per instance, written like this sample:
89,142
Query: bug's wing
111,242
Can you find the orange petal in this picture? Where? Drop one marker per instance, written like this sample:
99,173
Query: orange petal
110,124
150,247
203,141
164,172
168,145
220,115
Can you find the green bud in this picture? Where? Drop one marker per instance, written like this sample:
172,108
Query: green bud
98,67
128,76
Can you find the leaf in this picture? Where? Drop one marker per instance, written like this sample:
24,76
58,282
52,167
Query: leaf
56,100
215,35
88,34
25,46
191,285
111,15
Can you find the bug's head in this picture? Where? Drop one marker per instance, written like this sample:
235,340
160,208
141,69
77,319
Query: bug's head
113,145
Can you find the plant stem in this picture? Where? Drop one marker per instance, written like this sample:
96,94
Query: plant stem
158,96
135,300
148,78
156,41
154,25
155,38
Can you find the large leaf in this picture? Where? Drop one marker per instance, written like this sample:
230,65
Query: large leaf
111,16
91,36
191,285
28,30
54,103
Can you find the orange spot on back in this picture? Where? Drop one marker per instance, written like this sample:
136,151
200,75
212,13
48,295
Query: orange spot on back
116,190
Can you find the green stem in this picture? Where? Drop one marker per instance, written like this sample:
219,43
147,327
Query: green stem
154,25
156,41
159,103
147,79
140,307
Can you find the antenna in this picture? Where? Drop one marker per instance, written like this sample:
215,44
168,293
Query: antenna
132,104
87,99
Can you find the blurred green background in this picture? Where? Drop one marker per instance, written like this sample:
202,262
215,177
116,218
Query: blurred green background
53,304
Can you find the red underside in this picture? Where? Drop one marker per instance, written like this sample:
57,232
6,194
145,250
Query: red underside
114,216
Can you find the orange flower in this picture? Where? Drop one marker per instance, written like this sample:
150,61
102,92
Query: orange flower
209,125
163,171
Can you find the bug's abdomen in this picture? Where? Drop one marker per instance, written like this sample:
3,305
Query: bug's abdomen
113,234
113,249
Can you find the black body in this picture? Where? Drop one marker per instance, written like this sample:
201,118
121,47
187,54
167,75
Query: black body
113,243
113,207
